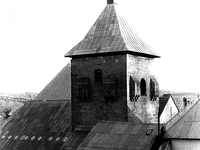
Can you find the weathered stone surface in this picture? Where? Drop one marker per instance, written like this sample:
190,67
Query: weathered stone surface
108,99
144,107
98,106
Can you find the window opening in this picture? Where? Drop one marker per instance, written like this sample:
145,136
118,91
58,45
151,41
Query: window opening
152,89
98,75
143,87
83,90
131,88
149,131
110,91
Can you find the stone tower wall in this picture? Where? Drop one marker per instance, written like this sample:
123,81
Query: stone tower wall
104,100
141,106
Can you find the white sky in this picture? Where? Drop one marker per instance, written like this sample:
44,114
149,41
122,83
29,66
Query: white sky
35,35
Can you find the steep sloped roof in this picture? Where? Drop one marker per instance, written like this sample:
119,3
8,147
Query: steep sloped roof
186,124
120,135
76,138
38,125
110,34
59,88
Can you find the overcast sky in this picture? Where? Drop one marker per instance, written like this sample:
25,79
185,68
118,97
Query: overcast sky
35,35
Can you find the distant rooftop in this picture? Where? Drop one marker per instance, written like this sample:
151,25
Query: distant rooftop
185,125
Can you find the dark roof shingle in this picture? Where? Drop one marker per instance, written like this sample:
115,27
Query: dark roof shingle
120,135
38,125
178,98
111,34
59,88
186,124
76,139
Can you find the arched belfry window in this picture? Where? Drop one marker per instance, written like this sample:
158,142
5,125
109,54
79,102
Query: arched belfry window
131,88
143,87
152,89
98,75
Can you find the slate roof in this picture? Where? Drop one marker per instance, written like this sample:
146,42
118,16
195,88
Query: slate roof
120,135
76,138
59,88
38,125
178,98
111,34
186,124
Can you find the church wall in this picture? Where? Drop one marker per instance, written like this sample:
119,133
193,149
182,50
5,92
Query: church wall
105,100
142,106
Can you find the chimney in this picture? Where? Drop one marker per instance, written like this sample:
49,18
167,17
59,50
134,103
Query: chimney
110,1
185,102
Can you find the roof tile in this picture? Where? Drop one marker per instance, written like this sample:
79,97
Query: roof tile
35,124
75,140
59,88
119,137
186,124
111,33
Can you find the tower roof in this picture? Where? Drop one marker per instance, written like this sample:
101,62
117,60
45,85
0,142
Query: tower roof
111,34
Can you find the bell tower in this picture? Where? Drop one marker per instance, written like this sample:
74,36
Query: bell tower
110,73
142,90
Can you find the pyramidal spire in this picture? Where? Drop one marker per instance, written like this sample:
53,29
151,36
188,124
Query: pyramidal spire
111,34
110,1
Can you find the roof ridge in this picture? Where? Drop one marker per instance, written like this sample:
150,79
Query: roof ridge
121,33
134,37
125,122
59,87
51,100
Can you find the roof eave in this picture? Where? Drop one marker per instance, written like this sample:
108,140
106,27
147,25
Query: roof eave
181,138
96,54
143,54
114,53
